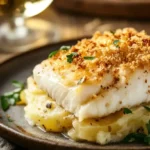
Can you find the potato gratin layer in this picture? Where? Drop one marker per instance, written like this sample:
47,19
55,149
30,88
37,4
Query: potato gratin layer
94,90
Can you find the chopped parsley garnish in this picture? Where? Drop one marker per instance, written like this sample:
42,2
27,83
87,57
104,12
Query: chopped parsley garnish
132,137
52,54
89,57
147,108
9,119
111,31
139,137
65,47
71,56
61,48
11,98
116,43
148,127
81,80
127,111
17,84
147,140
4,103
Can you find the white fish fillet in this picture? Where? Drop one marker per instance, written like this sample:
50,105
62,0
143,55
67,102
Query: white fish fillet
117,74
87,101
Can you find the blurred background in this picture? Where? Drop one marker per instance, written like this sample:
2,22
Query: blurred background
29,24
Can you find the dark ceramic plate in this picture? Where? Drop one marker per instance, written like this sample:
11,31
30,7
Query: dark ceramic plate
18,131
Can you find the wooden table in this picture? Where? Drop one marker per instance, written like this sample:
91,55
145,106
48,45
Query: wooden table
72,26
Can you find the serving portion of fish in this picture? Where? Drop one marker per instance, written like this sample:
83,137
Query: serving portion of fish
100,87
109,72
43,112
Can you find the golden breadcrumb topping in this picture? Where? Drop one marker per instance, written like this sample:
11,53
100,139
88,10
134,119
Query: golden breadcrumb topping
90,59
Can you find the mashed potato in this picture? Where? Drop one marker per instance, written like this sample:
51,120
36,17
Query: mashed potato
43,112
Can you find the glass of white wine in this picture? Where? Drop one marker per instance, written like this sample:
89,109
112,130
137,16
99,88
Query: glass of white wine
17,33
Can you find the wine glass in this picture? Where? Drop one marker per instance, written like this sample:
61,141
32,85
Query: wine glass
18,33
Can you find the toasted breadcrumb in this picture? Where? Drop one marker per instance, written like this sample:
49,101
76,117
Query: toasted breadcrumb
125,48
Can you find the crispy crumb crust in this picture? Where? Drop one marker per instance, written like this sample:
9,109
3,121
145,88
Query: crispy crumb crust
125,48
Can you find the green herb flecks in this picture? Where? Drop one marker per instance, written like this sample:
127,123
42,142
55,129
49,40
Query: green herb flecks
61,48
111,31
147,108
11,98
147,137
52,54
17,84
132,137
139,137
81,80
147,140
116,43
4,103
148,127
9,119
65,47
71,56
89,57
127,111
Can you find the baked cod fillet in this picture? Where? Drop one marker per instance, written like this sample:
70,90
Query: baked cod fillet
99,76
43,112
97,90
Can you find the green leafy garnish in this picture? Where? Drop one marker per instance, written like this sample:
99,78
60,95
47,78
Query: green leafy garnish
127,111
148,127
147,139
55,52
147,108
132,137
113,32
11,98
65,47
9,119
17,84
52,54
71,56
116,43
4,103
81,80
89,57
139,137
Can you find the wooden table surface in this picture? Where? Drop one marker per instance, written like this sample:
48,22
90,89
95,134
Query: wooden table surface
72,26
